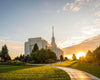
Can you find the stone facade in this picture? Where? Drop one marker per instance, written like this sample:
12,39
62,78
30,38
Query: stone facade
43,44
31,42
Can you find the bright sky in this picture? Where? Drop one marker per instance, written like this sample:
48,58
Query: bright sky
74,20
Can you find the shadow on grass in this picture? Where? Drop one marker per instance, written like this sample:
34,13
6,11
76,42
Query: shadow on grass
7,68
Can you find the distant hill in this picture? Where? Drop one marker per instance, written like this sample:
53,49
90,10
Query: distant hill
15,48
89,44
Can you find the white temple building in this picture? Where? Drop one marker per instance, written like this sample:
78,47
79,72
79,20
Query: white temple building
43,44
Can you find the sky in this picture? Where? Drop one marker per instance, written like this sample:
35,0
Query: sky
73,20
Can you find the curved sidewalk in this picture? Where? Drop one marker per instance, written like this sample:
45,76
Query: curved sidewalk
74,74
77,74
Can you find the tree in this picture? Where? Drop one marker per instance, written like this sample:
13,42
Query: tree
4,53
51,54
17,58
26,58
96,53
74,57
82,58
0,56
89,57
21,57
66,58
43,56
35,47
0,53
61,58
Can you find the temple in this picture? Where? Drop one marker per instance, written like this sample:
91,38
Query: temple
43,44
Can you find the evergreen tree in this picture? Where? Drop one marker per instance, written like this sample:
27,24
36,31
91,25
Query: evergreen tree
4,53
61,58
89,56
0,54
74,57
35,48
96,53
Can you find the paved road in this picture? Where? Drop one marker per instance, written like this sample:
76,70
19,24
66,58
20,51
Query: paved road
77,74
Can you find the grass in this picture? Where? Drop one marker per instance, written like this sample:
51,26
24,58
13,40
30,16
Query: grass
94,70
9,72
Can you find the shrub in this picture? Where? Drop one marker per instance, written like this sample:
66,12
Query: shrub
13,63
49,61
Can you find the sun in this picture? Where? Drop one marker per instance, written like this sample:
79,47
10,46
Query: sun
80,54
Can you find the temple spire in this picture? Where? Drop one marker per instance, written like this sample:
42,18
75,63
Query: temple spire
52,31
53,38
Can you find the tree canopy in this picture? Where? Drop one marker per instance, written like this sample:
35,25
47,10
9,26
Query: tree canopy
96,53
38,56
4,53
89,56
74,57
43,56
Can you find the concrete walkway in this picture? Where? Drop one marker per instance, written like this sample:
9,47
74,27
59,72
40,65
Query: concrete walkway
77,74
74,74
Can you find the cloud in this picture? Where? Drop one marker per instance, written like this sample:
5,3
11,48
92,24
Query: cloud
78,37
63,44
67,6
71,6
96,4
88,0
76,9
58,11
90,30
97,13
98,20
76,5
72,41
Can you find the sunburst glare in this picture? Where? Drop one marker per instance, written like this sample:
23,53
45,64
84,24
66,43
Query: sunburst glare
80,54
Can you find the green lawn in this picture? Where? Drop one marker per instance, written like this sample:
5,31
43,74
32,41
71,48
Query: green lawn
8,72
95,70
